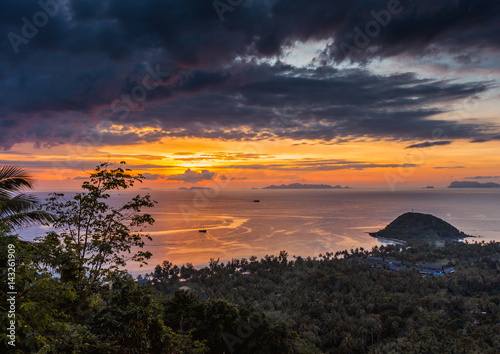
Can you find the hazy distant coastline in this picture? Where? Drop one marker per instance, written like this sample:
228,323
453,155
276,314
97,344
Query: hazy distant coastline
305,186
473,184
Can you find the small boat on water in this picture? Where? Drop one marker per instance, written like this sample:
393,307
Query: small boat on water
204,231
256,201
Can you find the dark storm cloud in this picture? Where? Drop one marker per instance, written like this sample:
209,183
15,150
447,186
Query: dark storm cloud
486,139
90,53
191,32
415,27
265,102
429,144
312,104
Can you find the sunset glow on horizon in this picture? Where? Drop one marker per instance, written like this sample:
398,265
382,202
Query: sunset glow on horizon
256,165
231,102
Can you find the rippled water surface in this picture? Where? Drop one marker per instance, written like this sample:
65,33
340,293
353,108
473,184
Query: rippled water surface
303,222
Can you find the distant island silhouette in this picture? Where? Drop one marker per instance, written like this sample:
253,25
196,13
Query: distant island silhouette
419,227
305,186
192,188
473,184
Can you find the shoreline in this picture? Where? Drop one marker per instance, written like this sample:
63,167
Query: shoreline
404,243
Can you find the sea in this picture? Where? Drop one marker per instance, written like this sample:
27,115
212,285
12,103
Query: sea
302,222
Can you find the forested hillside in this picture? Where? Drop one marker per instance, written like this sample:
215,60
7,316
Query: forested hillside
338,303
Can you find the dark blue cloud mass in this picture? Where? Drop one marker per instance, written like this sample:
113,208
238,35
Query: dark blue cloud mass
67,66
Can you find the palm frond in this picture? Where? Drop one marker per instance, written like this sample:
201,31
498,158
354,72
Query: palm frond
19,209
28,218
14,178
19,203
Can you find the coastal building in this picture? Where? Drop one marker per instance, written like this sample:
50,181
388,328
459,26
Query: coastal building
396,266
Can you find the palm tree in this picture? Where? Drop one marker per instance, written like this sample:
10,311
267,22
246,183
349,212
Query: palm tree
18,209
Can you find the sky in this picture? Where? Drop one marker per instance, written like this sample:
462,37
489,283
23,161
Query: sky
243,94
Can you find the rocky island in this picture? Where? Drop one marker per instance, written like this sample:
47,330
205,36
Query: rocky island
419,227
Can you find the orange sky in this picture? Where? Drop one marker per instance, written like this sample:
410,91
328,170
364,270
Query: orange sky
363,164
